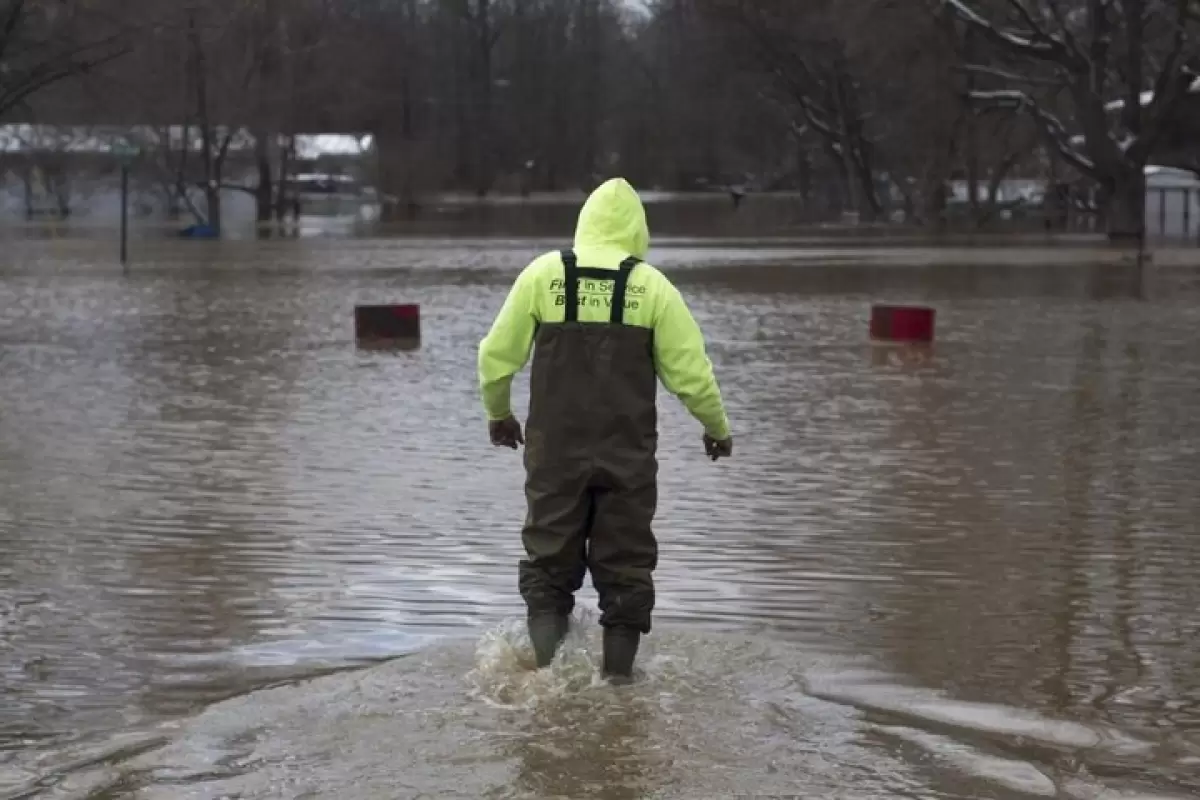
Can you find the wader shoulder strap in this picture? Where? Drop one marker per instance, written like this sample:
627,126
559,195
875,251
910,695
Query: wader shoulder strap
617,316
572,272
570,286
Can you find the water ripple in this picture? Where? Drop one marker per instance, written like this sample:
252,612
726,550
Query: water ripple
204,485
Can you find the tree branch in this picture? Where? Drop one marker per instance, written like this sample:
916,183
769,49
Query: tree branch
1038,44
41,61
1005,75
1069,40
1170,85
15,12
1036,31
772,59
223,149
1052,126
43,75
1096,62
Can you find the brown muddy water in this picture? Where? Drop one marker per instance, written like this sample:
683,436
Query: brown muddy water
244,559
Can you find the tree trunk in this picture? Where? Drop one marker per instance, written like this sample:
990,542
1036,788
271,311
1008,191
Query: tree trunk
174,210
804,177
264,193
177,190
935,202
27,180
588,40
484,69
860,176
869,207
940,171
59,185
843,194
964,47
212,181
212,198
212,189
999,174
1126,206
410,191
281,186
971,162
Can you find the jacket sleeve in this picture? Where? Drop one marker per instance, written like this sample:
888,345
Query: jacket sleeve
505,349
683,365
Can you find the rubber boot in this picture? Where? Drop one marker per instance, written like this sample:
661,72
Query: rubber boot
620,650
546,632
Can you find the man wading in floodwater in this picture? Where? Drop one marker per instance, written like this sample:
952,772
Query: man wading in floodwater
606,324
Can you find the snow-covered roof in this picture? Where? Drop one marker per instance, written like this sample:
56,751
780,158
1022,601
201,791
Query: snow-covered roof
24,137
65,139
1158,169
1160,177
311,146
320,177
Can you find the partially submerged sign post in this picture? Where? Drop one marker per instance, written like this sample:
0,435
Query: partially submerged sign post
126,153
902,323
391,325
910,327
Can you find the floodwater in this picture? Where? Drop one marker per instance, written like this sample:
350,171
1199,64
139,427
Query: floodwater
243,558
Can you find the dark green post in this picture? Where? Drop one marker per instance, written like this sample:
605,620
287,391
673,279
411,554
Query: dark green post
124,215
127,154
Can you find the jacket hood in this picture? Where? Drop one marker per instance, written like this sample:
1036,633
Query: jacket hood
613,216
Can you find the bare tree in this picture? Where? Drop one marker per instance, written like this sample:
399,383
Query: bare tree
804,56
861,105
42,44
1120,69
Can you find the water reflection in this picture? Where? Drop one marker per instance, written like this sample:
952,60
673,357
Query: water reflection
205,484
582,749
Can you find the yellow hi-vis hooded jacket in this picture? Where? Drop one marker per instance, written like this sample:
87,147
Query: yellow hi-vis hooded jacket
611,227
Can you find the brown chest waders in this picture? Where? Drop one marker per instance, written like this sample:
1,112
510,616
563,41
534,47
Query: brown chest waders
591,466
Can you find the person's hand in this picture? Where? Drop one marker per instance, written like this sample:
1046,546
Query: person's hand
506,432
718,448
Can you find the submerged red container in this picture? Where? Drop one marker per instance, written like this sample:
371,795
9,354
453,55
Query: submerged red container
383,323
902,323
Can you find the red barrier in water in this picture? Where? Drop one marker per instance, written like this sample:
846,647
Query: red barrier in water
902,323
387,323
